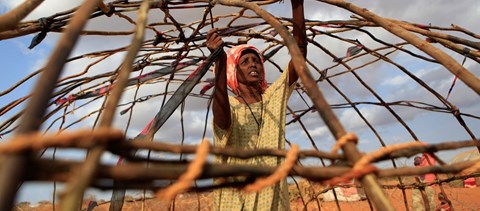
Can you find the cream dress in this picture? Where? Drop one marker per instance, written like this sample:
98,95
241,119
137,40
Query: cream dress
245,133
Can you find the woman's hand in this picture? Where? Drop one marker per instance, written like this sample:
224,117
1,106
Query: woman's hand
214,40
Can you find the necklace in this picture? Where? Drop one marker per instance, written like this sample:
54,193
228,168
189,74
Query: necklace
251,111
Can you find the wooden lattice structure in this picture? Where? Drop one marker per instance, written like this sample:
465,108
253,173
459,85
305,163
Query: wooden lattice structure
163,51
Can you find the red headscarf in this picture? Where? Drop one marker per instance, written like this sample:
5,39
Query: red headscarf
233,55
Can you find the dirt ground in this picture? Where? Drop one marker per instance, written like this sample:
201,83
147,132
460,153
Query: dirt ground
463,199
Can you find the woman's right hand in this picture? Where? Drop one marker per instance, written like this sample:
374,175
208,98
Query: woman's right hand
214,40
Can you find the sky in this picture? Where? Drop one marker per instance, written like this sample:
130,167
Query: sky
387,81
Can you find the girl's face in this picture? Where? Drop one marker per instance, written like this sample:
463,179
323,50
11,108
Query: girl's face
249,69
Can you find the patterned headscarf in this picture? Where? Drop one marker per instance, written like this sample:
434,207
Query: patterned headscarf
233,55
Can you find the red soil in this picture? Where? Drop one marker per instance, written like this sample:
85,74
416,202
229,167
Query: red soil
463,199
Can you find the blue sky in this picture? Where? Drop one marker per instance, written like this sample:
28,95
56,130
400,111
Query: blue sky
389,82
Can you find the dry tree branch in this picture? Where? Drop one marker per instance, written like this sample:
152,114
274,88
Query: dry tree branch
10,19
11,176
280,173
80,138
463,74
77,185
134,173
194,170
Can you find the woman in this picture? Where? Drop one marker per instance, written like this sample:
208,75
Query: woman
417,198
254,117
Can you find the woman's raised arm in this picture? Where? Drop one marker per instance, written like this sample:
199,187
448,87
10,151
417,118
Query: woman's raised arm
221,105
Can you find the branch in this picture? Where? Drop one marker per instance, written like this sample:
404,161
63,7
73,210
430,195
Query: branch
11,19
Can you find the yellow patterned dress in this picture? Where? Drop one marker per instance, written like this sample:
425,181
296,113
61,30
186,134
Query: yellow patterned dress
245,133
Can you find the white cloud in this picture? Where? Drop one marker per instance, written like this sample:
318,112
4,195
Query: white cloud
396,81
319,131
46,8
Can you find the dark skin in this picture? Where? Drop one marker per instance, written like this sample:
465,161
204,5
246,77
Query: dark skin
249,70
249,75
